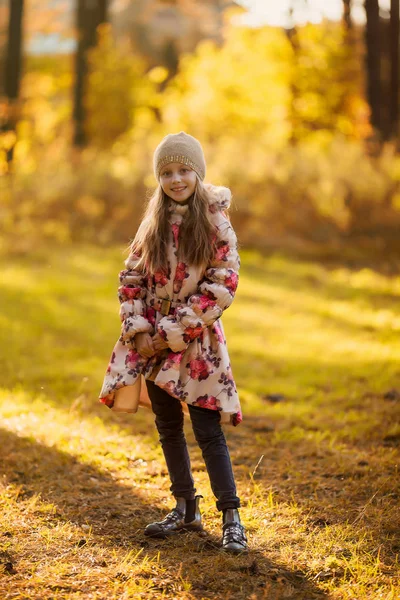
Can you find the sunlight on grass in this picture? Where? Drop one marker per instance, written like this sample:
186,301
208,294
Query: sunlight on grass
314,352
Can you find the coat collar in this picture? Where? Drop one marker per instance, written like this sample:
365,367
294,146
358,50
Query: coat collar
219,198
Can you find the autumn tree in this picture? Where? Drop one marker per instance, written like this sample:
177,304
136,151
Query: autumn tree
3,42
347,20
89,15
394,69
13,73
373,63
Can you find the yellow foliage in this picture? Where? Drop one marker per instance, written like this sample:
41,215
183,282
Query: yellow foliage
89,206
158,74
7,140
240,89
282,120
327,87
117,88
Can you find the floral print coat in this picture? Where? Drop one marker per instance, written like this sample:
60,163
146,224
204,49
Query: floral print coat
195,368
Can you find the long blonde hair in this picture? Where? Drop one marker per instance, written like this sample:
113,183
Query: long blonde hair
196,243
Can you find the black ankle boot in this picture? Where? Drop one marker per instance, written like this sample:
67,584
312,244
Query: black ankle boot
175,520
233,533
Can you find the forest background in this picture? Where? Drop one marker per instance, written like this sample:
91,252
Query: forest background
301,122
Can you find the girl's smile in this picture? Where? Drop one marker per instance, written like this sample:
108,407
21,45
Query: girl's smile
178,181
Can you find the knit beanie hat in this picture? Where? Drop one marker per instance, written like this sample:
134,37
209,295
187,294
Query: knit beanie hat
181,148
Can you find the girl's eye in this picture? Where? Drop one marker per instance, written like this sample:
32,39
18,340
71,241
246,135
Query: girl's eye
182,170
168,173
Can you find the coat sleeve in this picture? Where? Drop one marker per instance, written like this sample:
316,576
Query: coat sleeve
131,294
215,293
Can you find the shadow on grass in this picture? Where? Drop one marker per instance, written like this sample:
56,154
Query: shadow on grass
56,344
83,494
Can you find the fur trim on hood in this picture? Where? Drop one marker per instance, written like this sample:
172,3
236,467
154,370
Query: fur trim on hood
219,195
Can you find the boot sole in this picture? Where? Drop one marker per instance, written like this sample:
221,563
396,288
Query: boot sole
165,534
236,550
190,527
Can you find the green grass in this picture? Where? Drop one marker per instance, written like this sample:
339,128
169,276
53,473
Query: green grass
317,471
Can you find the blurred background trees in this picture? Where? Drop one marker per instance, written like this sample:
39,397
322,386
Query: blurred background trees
12,74
89,16
301,121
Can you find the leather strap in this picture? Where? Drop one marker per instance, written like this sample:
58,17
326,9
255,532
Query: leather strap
163,305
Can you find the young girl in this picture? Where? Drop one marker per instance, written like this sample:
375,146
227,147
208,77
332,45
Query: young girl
182,273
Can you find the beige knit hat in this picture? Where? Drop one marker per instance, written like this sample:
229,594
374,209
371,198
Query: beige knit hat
181,148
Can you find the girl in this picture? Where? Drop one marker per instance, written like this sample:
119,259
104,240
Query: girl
182,273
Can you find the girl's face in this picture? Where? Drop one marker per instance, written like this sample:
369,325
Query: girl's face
178,181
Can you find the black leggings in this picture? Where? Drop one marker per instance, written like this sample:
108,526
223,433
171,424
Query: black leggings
210,437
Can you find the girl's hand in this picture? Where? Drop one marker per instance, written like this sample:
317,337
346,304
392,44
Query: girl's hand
159,343
144,345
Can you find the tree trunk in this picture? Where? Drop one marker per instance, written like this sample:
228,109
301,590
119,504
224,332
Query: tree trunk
347,22
13,70
90,14
373,63
292,36
394,69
